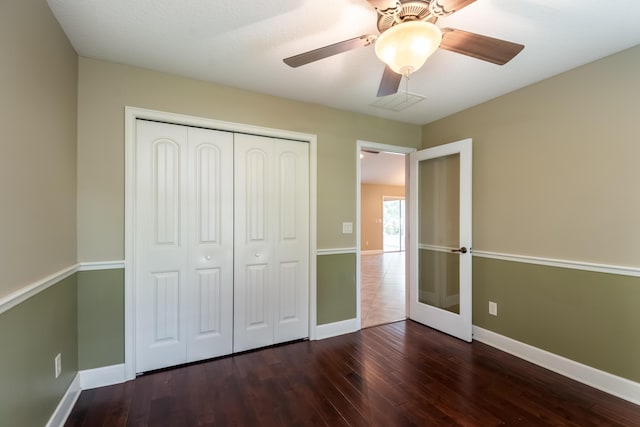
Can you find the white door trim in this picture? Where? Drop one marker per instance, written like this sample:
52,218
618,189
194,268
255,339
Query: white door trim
360,145
131,115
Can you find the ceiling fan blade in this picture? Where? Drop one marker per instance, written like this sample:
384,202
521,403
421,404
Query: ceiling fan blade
383,4
447,7
390,82
330,50
478,46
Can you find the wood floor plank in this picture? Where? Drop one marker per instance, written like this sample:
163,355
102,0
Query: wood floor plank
140,406
400,374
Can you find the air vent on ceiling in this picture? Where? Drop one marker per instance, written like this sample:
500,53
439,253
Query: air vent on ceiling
398,101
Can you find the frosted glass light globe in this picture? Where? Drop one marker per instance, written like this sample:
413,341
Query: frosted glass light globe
405,47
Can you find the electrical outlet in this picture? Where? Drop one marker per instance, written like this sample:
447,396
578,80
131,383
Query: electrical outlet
58,364
493,308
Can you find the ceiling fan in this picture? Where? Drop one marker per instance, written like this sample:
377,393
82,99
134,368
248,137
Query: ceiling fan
408,36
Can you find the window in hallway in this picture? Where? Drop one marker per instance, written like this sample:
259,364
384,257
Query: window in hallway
393,224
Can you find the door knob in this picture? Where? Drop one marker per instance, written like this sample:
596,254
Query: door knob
208,257
257,254
462,250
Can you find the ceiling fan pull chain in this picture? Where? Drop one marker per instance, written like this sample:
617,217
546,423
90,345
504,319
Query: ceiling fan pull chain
406,88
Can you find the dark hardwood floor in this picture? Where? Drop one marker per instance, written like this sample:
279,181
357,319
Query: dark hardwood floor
401,374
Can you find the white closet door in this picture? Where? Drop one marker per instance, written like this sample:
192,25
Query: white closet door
184,245
210,234
221,245
161,245
291,251
254,290
271,241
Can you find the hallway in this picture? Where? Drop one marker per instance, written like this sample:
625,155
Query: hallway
382,290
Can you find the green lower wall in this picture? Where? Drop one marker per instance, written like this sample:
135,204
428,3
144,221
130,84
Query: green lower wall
592,318
100,318
101,307
336,288
32,334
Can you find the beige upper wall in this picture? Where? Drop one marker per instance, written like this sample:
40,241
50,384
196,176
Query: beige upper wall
556,165
38,144
104,90
371,198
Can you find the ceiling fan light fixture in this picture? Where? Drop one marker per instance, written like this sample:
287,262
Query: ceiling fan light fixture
405,47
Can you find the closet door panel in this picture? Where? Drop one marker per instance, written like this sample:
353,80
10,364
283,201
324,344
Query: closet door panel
210,234
254,290
291,246
161,245
221,245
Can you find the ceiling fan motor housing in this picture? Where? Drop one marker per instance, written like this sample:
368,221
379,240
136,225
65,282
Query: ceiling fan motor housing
409,10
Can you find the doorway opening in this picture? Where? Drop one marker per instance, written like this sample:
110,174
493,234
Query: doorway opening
382,265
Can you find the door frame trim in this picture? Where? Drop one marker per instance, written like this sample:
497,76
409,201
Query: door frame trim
360,145
134,113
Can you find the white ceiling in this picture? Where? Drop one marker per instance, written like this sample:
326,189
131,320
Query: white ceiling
242,43
382,168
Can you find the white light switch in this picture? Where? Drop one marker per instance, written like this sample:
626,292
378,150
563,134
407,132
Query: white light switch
347,227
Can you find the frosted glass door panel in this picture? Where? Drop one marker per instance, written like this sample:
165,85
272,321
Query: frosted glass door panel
440,253
439,232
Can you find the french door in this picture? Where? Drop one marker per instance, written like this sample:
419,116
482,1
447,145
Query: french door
440,226
221,243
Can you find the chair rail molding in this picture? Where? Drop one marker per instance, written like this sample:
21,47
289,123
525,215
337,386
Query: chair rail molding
9,301
562,263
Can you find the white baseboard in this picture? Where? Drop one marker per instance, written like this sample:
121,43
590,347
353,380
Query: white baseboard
337,328
101,377
372,252
336,251
60,415
609,383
